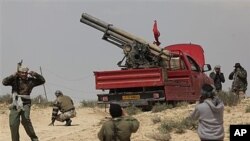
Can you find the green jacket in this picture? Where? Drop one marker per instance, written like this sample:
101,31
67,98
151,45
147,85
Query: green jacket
63,103
239,77
120,128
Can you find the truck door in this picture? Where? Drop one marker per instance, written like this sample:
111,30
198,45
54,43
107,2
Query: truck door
196,78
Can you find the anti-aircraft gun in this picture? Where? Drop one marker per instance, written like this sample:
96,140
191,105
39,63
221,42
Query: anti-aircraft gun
138,53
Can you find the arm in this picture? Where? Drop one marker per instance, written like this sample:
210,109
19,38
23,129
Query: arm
134,124
72,101
8,81
38,79
195,114
242,74
101,134
222,78
212,75
231,76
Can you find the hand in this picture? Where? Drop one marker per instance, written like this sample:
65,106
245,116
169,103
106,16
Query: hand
32,73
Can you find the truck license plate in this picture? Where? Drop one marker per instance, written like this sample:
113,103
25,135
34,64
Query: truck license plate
130,97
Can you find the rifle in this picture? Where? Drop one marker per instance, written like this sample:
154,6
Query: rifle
19,64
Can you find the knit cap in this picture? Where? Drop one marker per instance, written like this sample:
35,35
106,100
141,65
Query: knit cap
115,110
207,90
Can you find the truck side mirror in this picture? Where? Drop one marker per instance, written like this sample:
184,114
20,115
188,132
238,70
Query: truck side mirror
206,67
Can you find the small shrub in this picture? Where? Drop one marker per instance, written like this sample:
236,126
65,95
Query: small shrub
248,109
180,104
189,124
167,126
228,98
41,102
180,129
179,126
132,110
90,104
228,110
7,99
161,107
38,100
156,119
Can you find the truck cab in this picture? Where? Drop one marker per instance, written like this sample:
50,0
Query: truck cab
186,72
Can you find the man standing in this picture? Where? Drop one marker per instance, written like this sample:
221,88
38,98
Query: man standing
66,106
209,113
120,127
239,77
22,85
218,77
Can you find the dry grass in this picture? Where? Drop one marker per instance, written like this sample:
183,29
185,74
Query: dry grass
160,137
132,110
248,109
161,107
228,98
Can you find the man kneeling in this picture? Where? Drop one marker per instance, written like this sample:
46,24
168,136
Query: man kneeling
65,105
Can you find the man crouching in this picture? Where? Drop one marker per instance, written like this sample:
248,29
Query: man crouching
65,105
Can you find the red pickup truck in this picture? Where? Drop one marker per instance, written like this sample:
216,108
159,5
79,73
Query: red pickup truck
180,79
149,73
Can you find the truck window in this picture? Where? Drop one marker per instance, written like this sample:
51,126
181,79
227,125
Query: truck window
176,63
194,65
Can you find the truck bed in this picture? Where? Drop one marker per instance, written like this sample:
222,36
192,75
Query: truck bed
129,78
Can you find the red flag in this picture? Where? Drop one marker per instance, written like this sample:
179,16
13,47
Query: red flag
156,33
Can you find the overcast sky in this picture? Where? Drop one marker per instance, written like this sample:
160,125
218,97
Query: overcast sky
48,33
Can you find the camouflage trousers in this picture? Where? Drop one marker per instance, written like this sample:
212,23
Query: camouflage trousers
66,115
14,122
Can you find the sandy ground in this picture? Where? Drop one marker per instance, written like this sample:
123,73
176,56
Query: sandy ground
88,122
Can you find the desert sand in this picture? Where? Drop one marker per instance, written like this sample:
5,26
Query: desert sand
87,123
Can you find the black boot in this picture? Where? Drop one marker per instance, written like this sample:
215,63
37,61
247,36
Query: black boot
68,122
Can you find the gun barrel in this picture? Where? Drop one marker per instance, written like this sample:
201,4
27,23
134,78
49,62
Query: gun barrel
103,29
121,34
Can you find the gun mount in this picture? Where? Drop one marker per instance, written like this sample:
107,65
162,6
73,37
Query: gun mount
137,52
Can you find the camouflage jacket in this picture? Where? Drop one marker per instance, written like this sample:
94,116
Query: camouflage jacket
218,79
118,129
23,87
239,78
63,103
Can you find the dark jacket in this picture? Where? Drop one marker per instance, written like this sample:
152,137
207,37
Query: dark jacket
120,128
218,78
23,87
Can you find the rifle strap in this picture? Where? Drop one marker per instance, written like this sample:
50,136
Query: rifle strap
115,131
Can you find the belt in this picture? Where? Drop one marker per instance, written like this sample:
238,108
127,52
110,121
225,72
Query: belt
69,109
